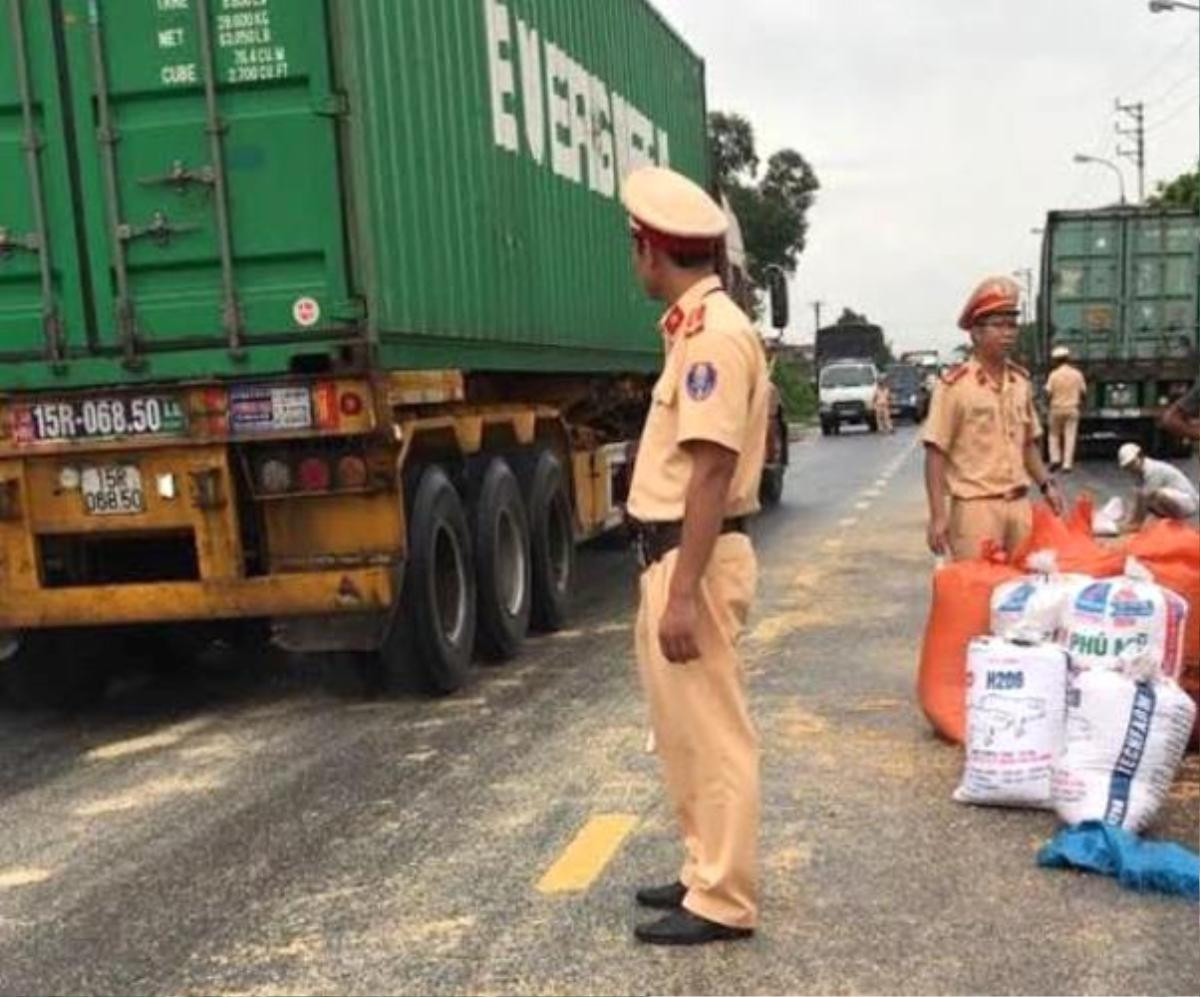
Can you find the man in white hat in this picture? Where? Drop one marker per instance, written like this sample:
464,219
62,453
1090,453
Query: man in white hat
695,481
1067,389
1163,489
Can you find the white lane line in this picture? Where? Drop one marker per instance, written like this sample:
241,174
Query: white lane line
862,506
848,522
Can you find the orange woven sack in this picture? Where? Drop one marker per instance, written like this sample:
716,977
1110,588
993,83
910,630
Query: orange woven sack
1172,553
1071,539
960,611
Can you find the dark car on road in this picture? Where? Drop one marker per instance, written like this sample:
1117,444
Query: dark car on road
910,391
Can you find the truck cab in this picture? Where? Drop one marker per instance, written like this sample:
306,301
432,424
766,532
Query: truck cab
847,395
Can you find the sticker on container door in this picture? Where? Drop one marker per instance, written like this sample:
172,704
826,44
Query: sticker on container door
306,312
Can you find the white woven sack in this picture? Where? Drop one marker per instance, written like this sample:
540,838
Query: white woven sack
1016,715
1112,620
1030,609
1125,740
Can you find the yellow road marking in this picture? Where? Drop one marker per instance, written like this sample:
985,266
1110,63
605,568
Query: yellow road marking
588,853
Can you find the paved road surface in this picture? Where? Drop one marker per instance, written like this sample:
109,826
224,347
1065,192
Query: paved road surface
276,830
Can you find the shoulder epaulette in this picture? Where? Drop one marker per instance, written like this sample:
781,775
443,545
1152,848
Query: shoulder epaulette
1018,369
955,374
695,322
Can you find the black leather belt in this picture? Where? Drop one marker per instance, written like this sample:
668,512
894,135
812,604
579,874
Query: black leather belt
654,541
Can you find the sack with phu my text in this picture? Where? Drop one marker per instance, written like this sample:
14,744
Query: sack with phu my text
1115,620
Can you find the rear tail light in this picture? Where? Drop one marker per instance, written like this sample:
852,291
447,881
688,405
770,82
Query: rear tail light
314,474
209,411
352,473
274,477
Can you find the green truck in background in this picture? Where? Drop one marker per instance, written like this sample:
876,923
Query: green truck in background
320,312
1119,290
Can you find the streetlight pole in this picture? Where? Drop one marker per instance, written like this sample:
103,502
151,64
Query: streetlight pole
1081,158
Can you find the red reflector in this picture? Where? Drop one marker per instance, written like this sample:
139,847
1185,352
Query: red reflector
325,405
352,403
314,474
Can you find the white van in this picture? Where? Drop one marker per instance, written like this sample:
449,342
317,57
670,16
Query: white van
847,395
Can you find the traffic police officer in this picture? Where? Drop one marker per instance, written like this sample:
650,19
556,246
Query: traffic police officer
1066,387
695,480
982,450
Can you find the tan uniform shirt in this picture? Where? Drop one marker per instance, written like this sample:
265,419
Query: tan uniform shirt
983,429
714,387
1066,388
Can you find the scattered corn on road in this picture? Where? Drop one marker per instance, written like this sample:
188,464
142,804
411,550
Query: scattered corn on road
272,829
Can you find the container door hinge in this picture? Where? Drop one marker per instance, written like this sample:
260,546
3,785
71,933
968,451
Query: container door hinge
332,105
160,230
180,177
10,242
350,310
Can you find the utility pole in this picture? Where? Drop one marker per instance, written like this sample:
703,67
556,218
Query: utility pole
1137,153
816,307
1026,275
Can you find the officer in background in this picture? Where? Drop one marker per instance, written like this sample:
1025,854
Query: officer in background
982,437
1067,389
695,481
883,405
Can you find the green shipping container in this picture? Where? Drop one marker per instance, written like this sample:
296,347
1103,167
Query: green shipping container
1119,290
232,188
1120,284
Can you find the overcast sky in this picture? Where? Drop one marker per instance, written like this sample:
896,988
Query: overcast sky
943,130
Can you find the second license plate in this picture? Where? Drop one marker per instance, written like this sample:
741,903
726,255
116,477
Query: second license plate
112,490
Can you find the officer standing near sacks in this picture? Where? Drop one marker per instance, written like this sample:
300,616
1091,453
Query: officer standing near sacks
1066,387
982,437
695,481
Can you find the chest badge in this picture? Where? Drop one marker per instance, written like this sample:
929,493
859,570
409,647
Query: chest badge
701,381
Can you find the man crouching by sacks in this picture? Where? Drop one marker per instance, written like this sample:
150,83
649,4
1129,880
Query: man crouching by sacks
982,437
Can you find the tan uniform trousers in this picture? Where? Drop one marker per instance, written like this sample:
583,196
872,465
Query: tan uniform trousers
972,521
1064,432
883,417
705,738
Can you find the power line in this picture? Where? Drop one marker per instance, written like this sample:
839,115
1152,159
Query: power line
1191,75
1173,114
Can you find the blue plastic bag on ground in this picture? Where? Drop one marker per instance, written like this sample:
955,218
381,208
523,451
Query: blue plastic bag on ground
1146,866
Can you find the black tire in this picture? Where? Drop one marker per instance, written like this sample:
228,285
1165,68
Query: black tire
826,428
55,670
836,427
503,571
433,638
770,489
551,543
873,424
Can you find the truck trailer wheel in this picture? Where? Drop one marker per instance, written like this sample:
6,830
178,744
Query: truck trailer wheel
502,562
49,669
551,543
434,637
770,489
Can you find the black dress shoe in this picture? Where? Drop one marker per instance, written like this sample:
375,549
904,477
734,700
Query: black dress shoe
667,897
682,927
